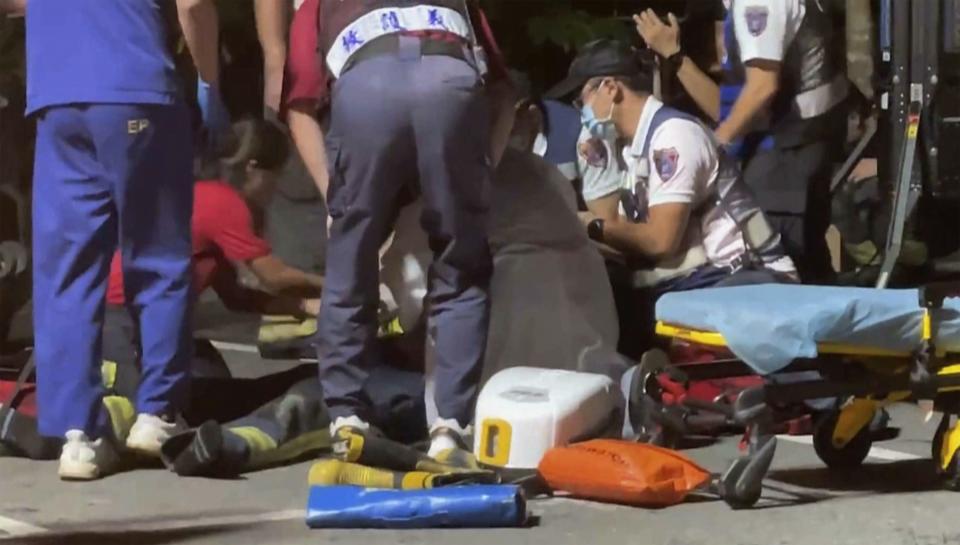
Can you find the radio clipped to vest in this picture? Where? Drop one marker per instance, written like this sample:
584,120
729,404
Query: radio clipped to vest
635,196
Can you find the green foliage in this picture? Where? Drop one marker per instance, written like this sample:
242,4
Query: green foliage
570,29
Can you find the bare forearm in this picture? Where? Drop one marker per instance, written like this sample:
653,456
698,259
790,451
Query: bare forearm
291,281
272,21
753,101
283,306
258,302
633,239
701,88
277,277
606,208
308,137
201,27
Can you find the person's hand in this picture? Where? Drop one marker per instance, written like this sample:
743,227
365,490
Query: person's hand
213,113
663,39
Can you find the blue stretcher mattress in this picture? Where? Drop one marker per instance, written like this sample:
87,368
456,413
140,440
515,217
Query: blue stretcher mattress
768,326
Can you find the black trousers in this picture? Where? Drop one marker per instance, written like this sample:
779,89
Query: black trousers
792,186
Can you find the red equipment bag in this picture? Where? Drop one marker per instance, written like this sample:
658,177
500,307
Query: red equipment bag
18,414
622,472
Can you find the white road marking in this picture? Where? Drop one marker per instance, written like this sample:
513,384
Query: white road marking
878,453
204,522
10,528
19,529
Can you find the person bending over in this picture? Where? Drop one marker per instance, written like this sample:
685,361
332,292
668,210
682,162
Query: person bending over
228,191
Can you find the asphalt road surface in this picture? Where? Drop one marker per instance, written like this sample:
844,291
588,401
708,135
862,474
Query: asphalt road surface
894,499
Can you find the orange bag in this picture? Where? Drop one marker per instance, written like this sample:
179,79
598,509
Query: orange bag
622,472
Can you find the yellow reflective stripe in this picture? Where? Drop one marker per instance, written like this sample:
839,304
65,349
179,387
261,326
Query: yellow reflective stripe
926,326
258,440
416,480
284,328
391,328
122,415
335,472
291,450
108,372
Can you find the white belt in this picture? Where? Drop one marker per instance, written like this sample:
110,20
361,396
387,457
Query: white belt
385,21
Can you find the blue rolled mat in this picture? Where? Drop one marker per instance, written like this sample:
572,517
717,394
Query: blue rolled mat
474,506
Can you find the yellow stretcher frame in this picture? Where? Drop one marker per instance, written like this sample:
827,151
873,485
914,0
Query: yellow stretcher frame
858,412
711,338
716,340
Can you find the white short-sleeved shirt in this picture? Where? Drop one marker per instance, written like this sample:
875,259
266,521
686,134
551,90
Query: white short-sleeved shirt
766,28
684,166
598,166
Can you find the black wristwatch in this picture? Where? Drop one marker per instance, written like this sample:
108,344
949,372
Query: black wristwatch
674,61
595,230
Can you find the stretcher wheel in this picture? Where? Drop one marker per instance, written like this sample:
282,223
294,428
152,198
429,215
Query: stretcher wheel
850,456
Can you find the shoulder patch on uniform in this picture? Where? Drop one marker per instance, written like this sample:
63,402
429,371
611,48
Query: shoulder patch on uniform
666,161
594,153
756,19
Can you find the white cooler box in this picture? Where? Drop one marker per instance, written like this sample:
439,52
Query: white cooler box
523,412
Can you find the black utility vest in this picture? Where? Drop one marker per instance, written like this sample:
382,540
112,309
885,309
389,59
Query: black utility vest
814,59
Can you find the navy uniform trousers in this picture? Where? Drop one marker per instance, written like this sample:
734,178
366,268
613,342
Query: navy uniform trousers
398,121
109,176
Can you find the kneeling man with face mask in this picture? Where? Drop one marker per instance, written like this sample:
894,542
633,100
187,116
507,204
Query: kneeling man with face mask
685,220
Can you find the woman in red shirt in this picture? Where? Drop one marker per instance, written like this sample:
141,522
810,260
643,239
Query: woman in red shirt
228,255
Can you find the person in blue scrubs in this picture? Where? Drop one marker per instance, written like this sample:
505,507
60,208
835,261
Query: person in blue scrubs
113,169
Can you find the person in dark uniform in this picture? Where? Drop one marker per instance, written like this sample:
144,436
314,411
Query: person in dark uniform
408,110
113,169
781,109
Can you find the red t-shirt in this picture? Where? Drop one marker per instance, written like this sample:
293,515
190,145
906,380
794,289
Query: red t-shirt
306,79
222,230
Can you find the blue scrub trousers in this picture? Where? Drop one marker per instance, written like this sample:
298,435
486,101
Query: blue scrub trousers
109,176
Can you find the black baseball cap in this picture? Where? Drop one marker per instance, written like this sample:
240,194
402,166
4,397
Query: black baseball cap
603,58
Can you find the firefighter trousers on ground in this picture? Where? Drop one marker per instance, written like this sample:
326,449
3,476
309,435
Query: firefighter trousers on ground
285,428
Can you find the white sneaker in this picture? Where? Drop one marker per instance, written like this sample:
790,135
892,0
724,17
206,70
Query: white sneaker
446,434
149,432
84,460
353,422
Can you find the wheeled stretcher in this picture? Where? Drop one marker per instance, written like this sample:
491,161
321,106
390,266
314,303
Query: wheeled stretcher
863,348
